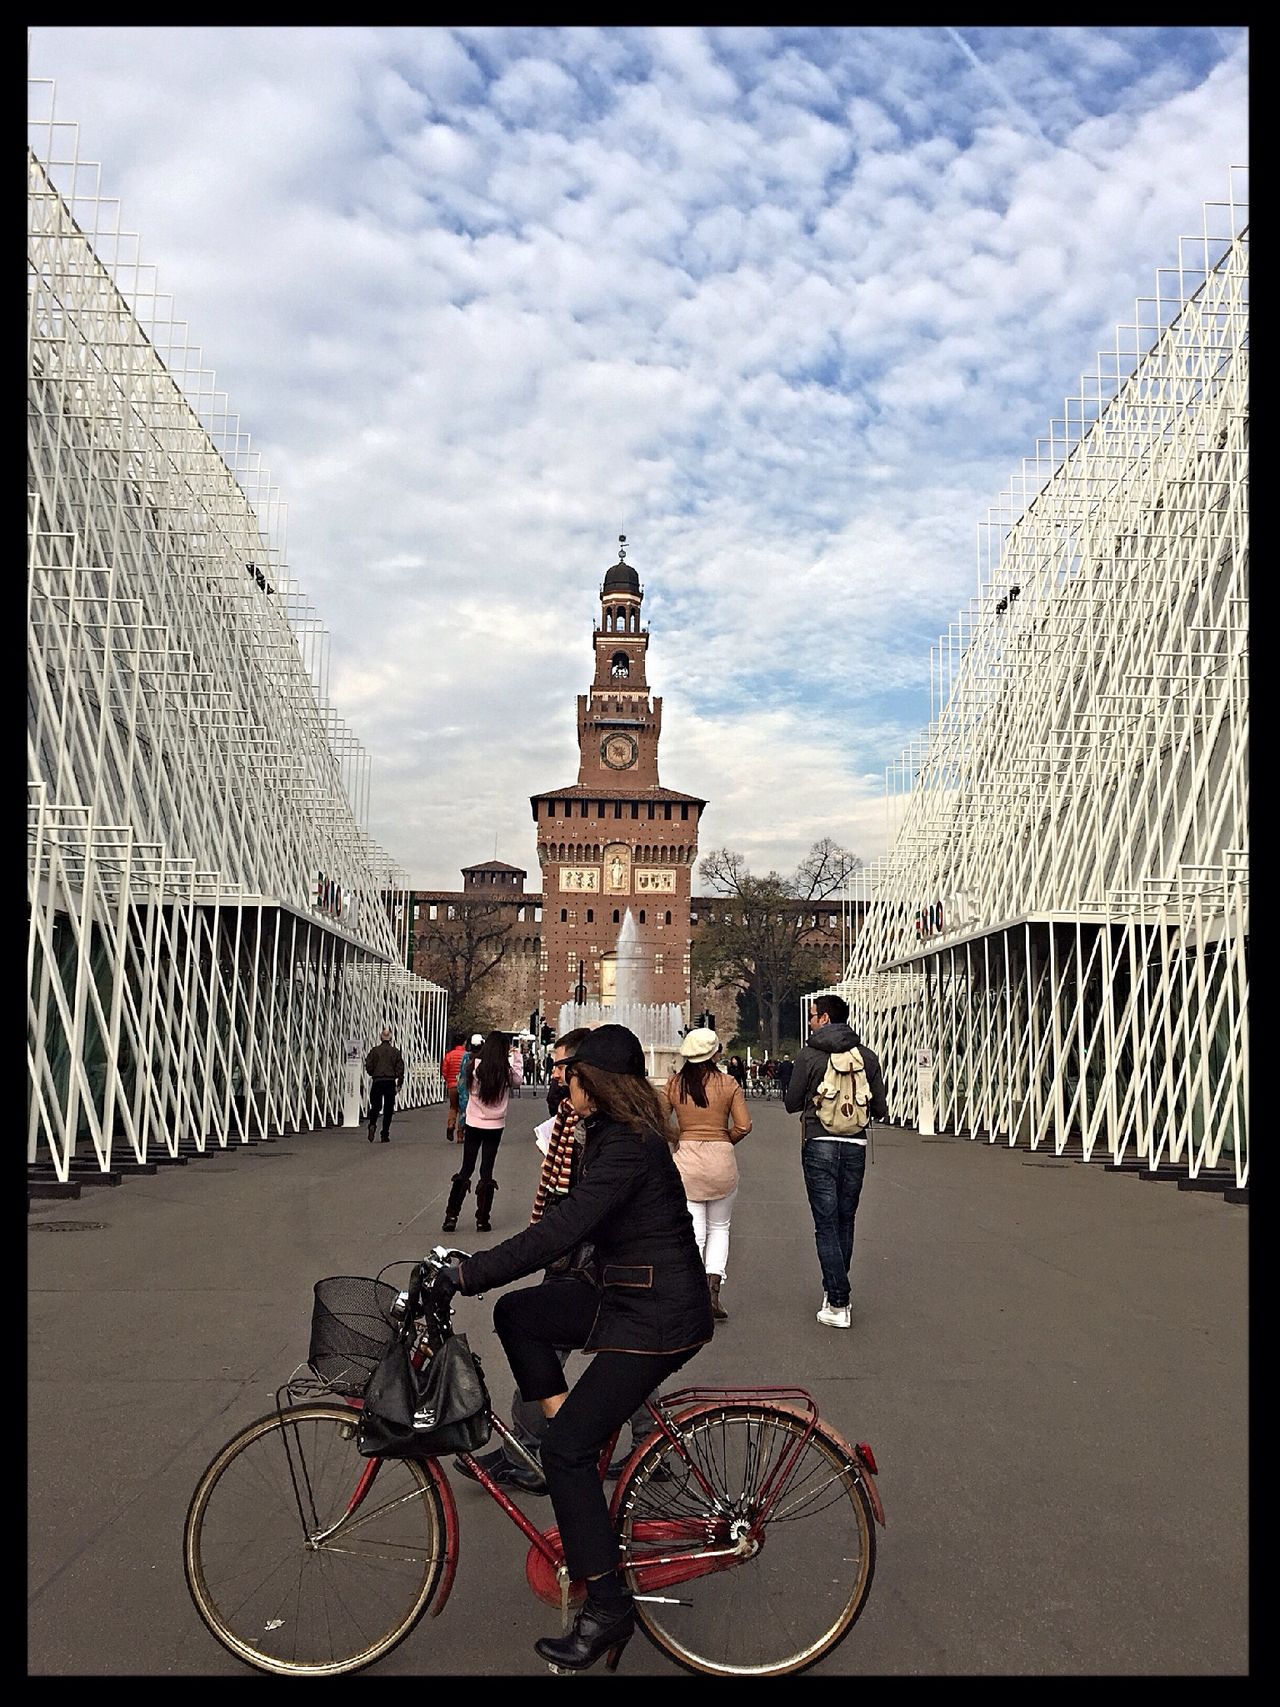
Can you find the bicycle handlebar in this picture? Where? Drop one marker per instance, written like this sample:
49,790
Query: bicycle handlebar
441,1256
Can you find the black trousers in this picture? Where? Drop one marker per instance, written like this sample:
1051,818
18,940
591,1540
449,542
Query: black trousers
531,1324
476,1141
382,1095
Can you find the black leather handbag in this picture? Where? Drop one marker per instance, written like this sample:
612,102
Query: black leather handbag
419,1413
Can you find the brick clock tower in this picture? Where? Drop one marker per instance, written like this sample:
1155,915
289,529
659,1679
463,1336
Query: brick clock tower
617,839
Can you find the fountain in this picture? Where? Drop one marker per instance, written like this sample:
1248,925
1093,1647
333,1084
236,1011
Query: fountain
657,1024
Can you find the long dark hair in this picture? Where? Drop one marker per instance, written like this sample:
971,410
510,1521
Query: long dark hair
490,1069
691,1081
624,1097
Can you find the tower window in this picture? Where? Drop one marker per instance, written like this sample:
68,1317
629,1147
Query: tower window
564,915
617,917
684,812
582,809
666,812
635,808
619,666
642,915
617,809
591,917
651,811
668,918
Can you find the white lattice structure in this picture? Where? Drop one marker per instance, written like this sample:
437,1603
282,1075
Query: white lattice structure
1063,920
210,923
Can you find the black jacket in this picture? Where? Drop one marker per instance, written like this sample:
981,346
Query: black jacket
811,1063
629,1201
384,1061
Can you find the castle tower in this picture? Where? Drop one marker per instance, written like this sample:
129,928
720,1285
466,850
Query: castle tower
616,839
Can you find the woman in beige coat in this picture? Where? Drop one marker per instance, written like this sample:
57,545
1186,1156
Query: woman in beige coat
709,1115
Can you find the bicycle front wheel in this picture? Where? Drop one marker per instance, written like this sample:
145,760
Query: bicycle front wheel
285,1573
797,1596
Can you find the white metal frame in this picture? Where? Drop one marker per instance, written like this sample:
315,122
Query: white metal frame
1076,815
210,923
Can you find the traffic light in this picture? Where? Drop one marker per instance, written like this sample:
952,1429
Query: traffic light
548,1036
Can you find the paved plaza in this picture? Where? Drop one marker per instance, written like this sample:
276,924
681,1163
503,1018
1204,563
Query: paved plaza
1049,1361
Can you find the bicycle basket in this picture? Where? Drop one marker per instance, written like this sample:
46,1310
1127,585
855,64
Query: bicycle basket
351,1328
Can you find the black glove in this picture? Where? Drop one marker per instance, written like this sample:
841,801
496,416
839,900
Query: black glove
447,1280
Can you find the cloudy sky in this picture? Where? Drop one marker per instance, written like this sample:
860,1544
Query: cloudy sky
786,306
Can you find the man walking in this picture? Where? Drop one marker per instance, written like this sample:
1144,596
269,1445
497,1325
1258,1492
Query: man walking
385,1066
449,1069
833,1165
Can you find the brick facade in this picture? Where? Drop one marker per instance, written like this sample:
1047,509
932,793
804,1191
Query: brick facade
616,839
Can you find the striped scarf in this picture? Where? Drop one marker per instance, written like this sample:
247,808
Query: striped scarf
557,1172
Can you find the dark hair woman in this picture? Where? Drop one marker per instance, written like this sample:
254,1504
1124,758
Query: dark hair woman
646,1317
490,1079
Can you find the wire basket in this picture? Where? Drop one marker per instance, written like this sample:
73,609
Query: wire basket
351,1327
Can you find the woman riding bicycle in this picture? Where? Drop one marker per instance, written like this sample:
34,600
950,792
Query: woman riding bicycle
648,1316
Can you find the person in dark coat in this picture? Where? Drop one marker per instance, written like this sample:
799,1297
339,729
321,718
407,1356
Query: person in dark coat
647,1317
833,1167
385,1066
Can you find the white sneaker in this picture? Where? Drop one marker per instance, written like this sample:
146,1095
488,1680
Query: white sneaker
835,1315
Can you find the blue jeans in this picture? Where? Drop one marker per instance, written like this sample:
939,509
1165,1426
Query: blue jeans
833,1179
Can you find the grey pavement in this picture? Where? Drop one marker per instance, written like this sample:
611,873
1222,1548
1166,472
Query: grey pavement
1050,1363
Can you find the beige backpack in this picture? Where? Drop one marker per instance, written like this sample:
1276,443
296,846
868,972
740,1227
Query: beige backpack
843,1097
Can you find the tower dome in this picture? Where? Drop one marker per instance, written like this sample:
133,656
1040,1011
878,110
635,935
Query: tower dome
621,578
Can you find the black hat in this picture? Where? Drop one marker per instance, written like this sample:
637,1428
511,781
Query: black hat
611,1048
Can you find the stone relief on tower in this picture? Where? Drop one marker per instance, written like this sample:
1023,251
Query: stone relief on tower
579,877
649,880
617,870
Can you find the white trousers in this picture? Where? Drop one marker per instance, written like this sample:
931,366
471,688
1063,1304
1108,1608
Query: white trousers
711,1229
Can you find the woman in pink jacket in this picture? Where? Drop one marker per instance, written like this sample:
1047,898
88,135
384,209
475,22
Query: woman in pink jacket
490,1081
710,1113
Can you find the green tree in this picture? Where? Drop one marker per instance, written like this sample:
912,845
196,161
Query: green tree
762,942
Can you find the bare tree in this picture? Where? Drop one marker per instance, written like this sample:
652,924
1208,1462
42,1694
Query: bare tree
763,941
460,952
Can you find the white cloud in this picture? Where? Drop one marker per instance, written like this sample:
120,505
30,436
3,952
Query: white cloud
785,305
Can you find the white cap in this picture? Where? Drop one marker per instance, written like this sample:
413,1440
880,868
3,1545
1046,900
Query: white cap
477,1038
700,1044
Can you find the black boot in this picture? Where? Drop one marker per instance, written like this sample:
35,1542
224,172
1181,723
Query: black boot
458,1190
484,1203
596,1630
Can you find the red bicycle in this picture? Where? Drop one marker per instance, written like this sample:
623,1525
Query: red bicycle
746,1523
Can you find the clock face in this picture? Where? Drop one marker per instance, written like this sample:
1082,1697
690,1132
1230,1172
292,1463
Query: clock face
619,752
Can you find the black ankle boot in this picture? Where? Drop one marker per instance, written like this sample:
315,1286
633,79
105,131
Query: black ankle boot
596,1631
458,1191
484,1203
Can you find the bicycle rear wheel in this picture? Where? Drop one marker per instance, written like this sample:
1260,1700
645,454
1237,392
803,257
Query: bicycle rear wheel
283,1574
780,1610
